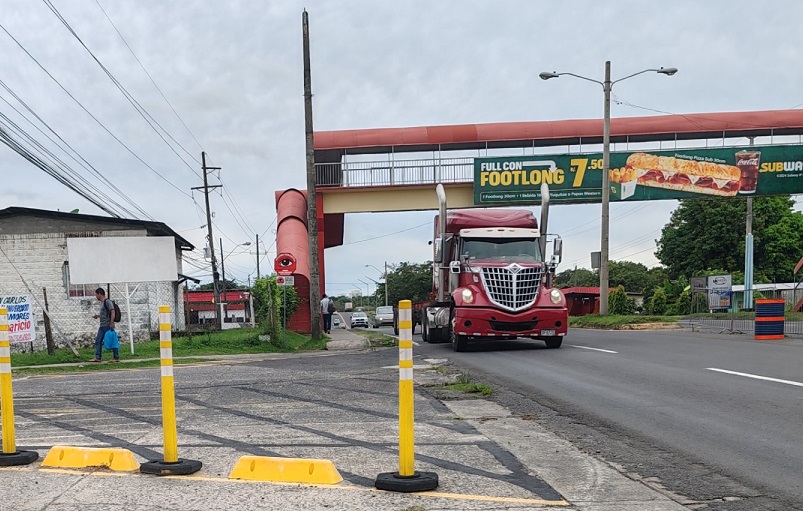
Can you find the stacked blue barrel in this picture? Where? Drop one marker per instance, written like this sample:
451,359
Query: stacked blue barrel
770,319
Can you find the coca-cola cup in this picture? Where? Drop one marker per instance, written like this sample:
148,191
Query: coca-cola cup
748,161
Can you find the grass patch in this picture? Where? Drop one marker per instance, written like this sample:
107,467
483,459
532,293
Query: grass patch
378,339
614,322
471,388
226,342
463,383
105,366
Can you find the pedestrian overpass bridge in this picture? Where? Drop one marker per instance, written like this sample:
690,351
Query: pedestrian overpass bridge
396,169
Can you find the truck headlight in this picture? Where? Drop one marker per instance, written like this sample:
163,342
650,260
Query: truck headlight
555,296
468,296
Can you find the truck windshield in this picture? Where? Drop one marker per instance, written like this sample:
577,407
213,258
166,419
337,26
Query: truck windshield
505,249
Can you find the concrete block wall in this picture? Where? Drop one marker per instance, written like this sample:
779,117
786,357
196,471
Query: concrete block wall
39,258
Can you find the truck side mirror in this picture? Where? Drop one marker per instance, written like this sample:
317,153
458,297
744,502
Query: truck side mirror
557,249
437,255
454,267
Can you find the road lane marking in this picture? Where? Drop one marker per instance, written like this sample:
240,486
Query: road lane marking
757,377
595,349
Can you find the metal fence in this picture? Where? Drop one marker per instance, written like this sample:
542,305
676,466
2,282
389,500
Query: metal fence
71,317
743,323
395,172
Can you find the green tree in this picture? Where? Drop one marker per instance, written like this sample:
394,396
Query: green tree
658,302
634,277
230,284
407,281
619,303
709,233
578,277
683,303
272,304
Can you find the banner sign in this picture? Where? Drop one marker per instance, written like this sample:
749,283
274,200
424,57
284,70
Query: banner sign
21,326
698,284
719,292
641,175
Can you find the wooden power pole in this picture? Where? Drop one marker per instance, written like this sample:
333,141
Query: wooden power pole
312,210
210,239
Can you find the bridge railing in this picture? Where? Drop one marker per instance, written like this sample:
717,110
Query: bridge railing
397,172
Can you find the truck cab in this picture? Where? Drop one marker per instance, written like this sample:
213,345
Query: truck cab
492,280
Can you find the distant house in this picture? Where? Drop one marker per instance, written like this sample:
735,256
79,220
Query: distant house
581,301
238,308
34,262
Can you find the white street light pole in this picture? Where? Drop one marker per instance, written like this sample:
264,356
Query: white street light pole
384,276
607,85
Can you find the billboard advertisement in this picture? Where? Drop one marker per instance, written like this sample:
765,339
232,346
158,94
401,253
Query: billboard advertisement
21,323
641,175
719,292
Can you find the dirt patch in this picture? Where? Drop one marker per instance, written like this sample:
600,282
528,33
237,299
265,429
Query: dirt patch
650,326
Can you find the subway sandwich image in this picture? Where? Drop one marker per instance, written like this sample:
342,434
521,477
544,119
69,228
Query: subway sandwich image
685,175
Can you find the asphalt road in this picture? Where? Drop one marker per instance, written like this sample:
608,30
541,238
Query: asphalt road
726,403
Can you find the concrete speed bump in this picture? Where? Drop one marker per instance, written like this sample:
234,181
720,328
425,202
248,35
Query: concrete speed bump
62,456
285,470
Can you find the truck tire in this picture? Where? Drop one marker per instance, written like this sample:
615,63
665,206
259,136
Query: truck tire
459,342
424,329
553,342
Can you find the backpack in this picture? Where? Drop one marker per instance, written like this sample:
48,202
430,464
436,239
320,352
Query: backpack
330,308
117,313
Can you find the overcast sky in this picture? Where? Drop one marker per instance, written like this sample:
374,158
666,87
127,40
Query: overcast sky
232,70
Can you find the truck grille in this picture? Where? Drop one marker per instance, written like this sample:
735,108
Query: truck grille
512,287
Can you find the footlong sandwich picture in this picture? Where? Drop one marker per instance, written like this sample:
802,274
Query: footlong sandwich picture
685,175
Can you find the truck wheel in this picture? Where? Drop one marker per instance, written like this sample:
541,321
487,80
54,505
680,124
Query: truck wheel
553,342
459,342
424,329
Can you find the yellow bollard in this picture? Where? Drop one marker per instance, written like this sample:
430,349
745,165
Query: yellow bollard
406,479
171,464
10,456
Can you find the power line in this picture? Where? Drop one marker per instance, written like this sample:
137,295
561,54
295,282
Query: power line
91,115
83,162
153,82
139,108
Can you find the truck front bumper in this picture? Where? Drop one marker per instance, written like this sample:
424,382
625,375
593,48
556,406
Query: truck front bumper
487,322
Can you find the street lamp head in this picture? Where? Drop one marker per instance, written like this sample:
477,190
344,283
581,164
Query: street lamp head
669,71
246,244
547,76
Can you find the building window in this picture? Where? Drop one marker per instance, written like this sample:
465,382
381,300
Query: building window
77,290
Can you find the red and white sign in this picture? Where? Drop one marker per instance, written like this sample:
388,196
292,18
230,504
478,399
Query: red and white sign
285,264
282,280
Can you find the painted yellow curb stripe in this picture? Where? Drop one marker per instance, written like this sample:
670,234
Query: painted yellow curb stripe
344,487
288,470
81,457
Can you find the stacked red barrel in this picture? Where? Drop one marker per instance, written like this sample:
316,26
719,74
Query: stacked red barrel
770,319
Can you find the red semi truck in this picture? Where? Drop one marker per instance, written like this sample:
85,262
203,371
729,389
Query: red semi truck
491,278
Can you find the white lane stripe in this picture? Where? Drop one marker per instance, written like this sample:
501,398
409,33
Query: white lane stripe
595,349
757,377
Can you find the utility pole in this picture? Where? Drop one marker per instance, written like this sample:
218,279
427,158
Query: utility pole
312,209
209,238
223,269
257,245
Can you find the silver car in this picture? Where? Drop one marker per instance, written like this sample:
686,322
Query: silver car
383,316
359,319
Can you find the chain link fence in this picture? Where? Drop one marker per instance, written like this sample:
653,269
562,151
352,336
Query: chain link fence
71,312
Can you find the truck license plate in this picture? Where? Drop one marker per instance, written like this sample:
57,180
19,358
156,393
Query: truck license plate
547,332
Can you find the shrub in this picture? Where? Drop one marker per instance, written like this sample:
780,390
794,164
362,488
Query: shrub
618,302
658,303
683,304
